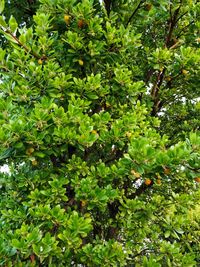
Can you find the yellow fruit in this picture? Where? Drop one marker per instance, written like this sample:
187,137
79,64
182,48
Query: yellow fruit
67,19
197,179
148,181
83,203
80,62
94,132
40,61
185,72
198,40
136,174
128,134
168,78
29,150
34,162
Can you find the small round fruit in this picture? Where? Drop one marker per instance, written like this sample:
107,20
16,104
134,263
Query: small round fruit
29,150
148,6
83,203
80,62
81,23
185,72
67,19
148,181
197,179
198,40
32,257
128,134
158,181
167,170
168,78
94,132
40,61
34,162
136,174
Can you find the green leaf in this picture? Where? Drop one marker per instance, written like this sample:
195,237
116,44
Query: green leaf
7,153
17,244
167,234
2,6
9,37
39,154
13,24
3,23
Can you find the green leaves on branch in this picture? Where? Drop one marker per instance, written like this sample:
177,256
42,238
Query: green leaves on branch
99,128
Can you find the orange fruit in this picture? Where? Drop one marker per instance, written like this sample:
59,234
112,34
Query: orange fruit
81,23
197,179
166,170
148,181
158,181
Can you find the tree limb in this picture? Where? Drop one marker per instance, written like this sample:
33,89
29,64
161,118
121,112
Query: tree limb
140,190
107,4
20,44
160,77
134,12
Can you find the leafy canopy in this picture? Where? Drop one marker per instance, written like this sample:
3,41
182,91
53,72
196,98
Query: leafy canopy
99,126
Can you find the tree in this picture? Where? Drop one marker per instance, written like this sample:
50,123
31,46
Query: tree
94,179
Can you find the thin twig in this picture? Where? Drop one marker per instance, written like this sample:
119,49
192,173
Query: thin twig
20,44
107,4
181,16
183,29
142,251
160,77
134,12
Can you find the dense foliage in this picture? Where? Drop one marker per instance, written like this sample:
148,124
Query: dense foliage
99,127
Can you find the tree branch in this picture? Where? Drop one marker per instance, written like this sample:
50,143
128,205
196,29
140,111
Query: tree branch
142,252
107,4
20,44
172,24
160,77
183,29
181,16
140,190
134,12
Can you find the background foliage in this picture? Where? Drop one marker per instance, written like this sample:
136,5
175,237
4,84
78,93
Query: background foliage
99,126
